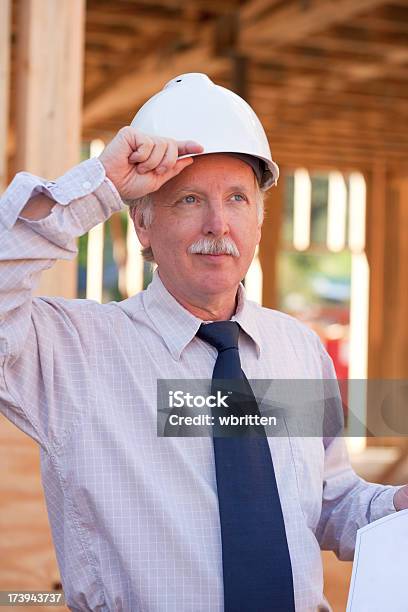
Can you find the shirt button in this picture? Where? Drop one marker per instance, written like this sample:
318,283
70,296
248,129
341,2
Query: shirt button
86,185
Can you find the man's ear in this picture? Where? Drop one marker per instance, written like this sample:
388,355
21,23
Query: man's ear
142,232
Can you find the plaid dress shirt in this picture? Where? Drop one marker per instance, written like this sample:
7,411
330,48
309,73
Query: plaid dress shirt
134,517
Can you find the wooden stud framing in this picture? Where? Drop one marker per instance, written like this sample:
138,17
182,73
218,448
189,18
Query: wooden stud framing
49,95
270,242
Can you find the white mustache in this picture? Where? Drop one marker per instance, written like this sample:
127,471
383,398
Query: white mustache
214,246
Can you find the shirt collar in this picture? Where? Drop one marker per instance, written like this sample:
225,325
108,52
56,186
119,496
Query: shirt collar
177,326
246,315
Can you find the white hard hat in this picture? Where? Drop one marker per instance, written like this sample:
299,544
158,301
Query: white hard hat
192,107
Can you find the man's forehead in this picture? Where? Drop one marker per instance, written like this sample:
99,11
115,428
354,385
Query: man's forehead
218,161
231,185
214,169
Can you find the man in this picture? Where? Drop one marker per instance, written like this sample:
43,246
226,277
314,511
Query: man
147,523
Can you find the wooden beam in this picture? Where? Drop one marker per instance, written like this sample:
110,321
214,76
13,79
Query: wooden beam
344,129
299,154
387,252
111,42
326,143
379,23
359,39
381,55
308,147
283,24
127,88
50,58
254,10
340,65
131,90
293,26
302,90
138,19
270,243
48,103
293,157
400,186
376,253
355,123
366,121
113,76
49,97
393,14
321,164
295,21
5,39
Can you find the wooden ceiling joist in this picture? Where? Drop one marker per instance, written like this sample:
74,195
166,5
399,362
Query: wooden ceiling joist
296,21
132,89
288,23
328,76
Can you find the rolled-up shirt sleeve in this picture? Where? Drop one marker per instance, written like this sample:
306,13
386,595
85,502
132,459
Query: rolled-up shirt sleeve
84,197
348,501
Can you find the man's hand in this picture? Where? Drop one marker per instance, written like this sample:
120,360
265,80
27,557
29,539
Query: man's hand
138,164
401,498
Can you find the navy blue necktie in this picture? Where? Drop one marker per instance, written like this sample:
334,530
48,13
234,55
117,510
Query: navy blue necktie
256,563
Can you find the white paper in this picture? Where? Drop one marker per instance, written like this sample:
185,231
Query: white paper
379,582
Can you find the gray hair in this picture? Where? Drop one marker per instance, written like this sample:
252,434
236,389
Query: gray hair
143,207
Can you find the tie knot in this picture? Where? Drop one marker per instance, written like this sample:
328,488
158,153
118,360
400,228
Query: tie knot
222,335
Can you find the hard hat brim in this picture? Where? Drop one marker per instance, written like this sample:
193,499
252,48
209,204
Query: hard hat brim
270,171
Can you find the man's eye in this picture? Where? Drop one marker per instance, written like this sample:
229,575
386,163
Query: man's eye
239,197
189,199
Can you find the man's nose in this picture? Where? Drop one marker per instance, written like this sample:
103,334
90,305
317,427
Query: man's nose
216,222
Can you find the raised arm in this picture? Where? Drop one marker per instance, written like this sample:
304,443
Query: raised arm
39,223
